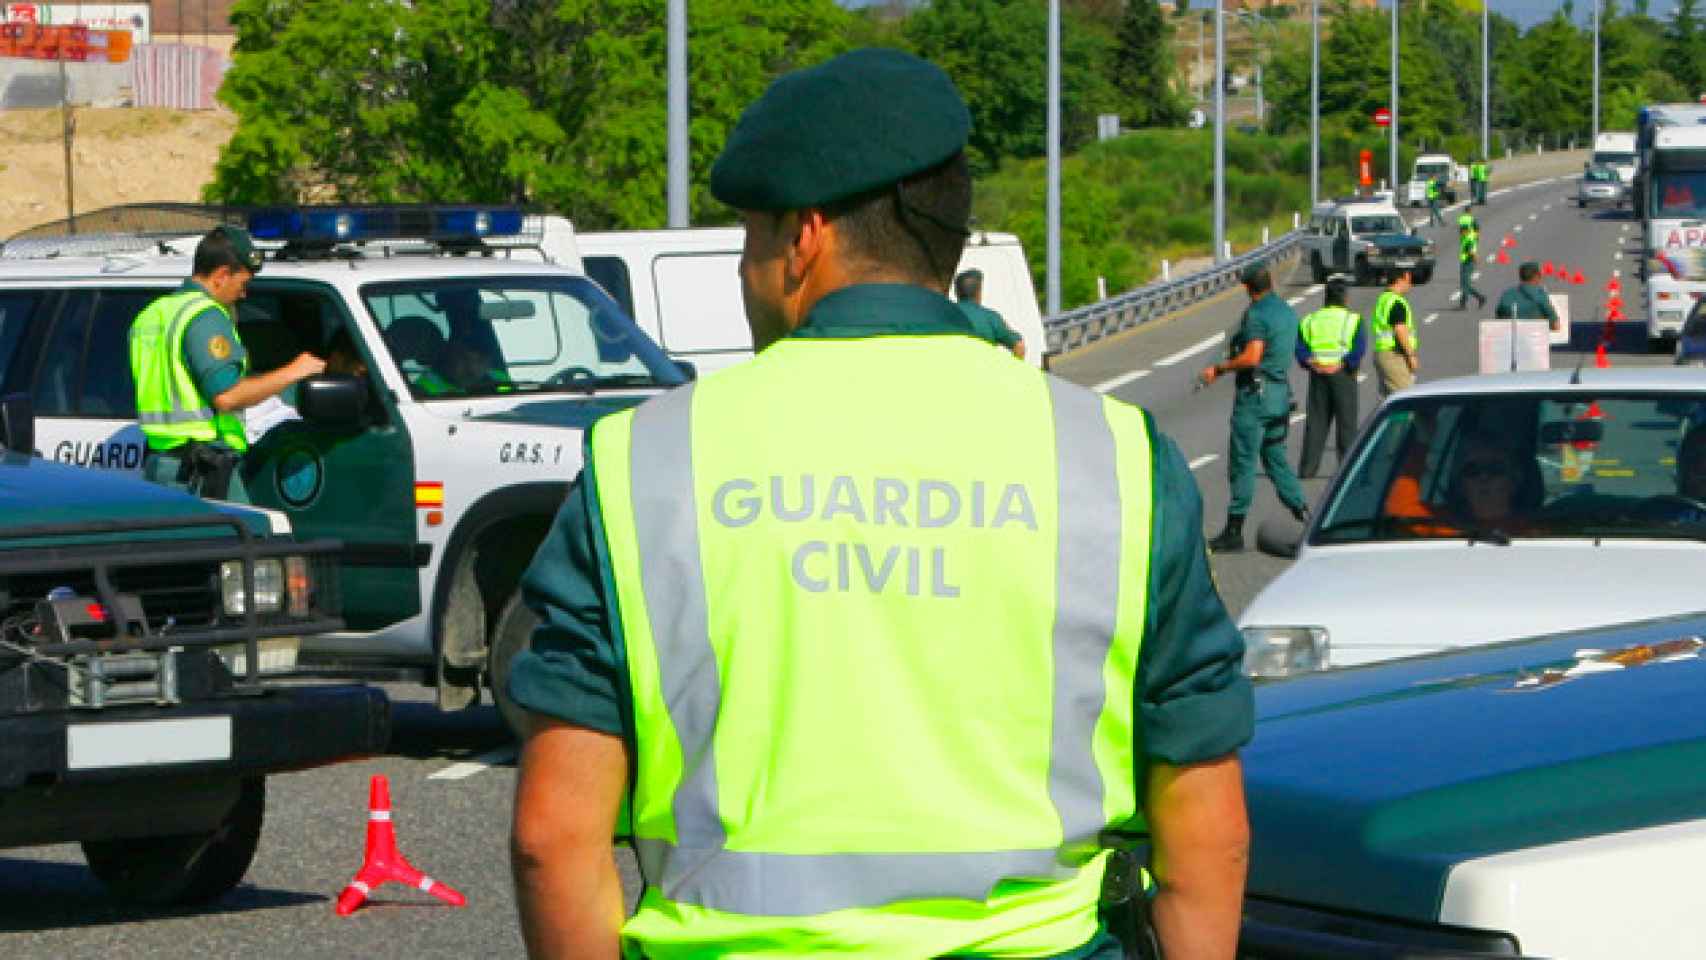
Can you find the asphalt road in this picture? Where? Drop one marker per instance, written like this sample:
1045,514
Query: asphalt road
452,775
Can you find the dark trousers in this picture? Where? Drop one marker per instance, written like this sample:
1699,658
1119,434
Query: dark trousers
1480,189
1332,401
1433,212
1258,433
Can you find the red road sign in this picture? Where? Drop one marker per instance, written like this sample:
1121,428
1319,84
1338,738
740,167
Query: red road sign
1382,117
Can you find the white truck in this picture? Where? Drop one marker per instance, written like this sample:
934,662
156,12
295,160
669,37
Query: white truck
1674,214
1434,166
682,287
1617,151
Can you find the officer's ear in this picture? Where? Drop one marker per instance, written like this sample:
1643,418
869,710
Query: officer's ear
811,239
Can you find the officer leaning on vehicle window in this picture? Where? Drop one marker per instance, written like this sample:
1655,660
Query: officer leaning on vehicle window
986,323
879,631
192,373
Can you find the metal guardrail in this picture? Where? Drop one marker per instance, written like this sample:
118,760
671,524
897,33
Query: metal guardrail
1087,324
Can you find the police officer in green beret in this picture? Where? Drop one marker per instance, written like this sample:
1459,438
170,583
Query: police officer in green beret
1527,300
986,323
192,373
1260,353
879,632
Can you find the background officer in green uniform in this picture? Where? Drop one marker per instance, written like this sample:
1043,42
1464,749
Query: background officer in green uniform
1434,219
1468,242
986,323
879,631
1330,345
1478,181
1261,410
1528,299
192,373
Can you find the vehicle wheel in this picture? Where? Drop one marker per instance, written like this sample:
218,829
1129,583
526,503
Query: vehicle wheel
514,629
163,871
462,638
1316,270
1424,275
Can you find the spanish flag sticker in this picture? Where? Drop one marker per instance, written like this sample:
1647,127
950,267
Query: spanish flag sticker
429,494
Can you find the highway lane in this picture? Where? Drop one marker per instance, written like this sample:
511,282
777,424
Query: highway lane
452,775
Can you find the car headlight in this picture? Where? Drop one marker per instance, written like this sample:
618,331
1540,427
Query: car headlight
1428,246
1285,651
269,586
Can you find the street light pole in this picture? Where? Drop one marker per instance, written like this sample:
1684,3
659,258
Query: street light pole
1595,75
1201,77
1314,103
1219,133
1485,85
1053,212
1392,159
677,120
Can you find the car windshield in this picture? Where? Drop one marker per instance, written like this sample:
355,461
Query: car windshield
1387,223
1615,159
1430,171
1515,466
1600,174
501,335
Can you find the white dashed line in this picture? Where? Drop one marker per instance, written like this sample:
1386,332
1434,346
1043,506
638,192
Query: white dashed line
1190,351
1201,462
1534,216
1424,220
1294,301
1117,382
1298,416
481,763
1430,318
1518,227
1491,257
1477,274
1363,377
1616,256
1317,288
1615,273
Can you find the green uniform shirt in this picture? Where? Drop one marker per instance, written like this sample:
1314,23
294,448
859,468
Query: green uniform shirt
988,324
1526,301
1194,702
212,351
1272,321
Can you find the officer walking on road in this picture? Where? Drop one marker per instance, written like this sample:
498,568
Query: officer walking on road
1478,181
192,373
1330,345
1528,299
986,323
1261,409
1434,218
1395,341
1468,242
876,508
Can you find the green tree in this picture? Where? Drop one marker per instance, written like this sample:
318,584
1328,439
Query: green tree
1143,67
1686,45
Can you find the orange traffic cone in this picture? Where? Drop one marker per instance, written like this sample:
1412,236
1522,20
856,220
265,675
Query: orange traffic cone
1503,256
1601,361
1546,269
1579,279
382,862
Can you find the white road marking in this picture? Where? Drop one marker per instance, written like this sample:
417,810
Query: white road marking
1496,193
1419,223
1298,416
1491,257
1201,462
1617,256
1546,207
1534,216
1430,318
1317,288
1615,273
1477,274
480,764
1117,382
1363,377
1190,351
1518,228
1294,301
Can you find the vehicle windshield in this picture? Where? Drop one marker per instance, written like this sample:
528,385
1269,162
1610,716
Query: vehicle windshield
1600,175
1387,223
502,335
1431,171
1614,159
1679,184
1518,466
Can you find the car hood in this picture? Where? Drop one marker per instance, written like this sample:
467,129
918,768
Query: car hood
577,413
1365,786
1395,240
1380,601
35,492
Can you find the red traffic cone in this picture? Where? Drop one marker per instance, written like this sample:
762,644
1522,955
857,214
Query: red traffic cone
382,862
1615,312
1614,301
1508,242
1579,279
1601,361
1503,256
1613,285
1546,269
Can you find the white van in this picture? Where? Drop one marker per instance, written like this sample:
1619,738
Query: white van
1617,151
683,288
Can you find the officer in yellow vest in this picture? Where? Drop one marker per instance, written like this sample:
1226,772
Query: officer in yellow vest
1478,182
1395,343
1468,243
1330,345
879,631
1433,202
192,373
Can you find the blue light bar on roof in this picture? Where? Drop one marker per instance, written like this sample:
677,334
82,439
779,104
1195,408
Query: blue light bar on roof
348,224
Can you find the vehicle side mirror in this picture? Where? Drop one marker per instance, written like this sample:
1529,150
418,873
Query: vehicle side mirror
18,423
332,400
688,370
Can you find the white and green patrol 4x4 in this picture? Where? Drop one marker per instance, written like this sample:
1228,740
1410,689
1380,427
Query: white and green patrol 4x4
439,466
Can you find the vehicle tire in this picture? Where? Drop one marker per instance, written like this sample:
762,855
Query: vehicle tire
1316,270
510,637
1423,275
167,871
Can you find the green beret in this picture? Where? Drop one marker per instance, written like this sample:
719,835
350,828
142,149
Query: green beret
1253,272
242,245
861,121
1528,266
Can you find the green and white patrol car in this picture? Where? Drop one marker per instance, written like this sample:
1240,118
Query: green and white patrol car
439,462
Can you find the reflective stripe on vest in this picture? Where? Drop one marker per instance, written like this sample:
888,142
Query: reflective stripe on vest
735,616
1381,324
1329,332
169,406
1433,189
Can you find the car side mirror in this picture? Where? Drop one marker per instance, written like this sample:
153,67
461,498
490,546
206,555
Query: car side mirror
18,423
688,370
332,400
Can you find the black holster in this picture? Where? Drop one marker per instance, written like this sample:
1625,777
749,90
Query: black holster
205,468
1125,904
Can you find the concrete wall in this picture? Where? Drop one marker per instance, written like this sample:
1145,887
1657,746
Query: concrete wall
35,83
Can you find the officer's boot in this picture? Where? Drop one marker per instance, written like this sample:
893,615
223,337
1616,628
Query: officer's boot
1231,539
1300,513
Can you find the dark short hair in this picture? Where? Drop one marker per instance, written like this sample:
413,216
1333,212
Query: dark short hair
1527,272
1258,279
218,248
1336,290
1403,273
916,226
969,285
